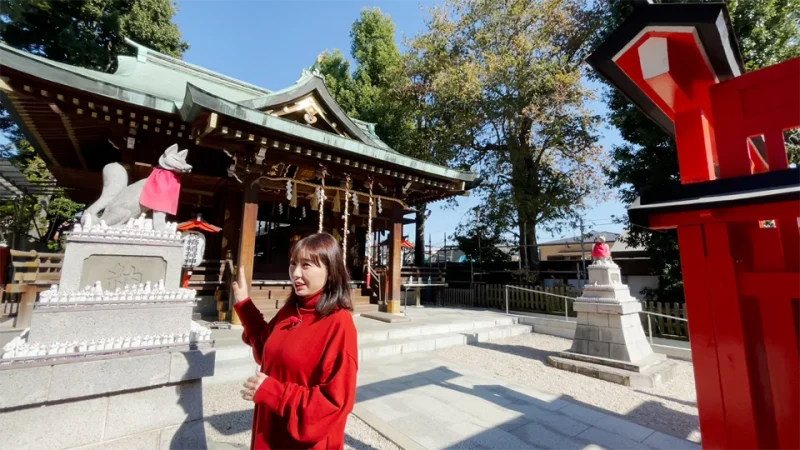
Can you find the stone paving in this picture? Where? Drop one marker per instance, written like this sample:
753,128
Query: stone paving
422,401
425,403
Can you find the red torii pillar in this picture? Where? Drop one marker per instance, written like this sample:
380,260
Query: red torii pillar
680,65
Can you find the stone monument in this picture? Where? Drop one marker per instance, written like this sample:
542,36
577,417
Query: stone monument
112,358
609,341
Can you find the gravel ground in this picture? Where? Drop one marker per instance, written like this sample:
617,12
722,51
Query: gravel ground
228,419
671,409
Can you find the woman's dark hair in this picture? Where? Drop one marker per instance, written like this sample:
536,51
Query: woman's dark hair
322,249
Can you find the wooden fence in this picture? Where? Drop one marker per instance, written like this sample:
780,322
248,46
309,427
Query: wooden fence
493,296
664,326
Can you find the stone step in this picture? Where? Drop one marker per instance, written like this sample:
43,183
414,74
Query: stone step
411,331
362,308
394,347
235,361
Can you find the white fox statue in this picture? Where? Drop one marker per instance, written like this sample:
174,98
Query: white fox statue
158,192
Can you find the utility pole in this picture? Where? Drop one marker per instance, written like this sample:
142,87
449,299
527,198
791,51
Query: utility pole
480,252
583,251
430,251
446,256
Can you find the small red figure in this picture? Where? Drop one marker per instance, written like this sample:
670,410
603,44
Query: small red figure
601,252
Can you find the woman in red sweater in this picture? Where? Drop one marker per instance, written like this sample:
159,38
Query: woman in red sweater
308,353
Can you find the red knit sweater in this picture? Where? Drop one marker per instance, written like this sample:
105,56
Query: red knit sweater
312,368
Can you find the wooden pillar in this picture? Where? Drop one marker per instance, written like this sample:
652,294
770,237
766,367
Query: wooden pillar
395,260
247,235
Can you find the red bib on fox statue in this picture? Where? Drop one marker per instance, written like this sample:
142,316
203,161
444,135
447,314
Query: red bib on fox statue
161,191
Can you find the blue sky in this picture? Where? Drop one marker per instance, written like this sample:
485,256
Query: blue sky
268,43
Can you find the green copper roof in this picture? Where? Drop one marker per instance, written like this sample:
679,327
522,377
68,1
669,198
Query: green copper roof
197,101
311,83
160,82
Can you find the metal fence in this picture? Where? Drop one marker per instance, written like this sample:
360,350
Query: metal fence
668,319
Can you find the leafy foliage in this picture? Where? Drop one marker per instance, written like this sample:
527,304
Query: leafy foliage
768,33
479,239
373,91
42,214
501,85
90,34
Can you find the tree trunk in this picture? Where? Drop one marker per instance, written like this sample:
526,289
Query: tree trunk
532,253
523,253
419,240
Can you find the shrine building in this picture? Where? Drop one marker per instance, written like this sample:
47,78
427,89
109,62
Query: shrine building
269,167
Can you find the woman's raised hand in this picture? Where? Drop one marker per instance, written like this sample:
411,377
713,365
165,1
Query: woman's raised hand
240,286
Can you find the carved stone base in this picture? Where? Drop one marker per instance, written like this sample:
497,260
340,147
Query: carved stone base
611,331
610,344
116,264
651,372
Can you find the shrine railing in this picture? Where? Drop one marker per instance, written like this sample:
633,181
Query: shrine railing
667,320
375,284
29,269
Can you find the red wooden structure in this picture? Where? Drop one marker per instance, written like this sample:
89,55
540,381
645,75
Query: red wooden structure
736,211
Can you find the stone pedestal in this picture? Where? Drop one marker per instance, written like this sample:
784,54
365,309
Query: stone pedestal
392,307
609,341
117,365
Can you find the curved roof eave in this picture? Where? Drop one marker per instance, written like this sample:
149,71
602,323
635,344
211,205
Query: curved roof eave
197,100
82,79
311,85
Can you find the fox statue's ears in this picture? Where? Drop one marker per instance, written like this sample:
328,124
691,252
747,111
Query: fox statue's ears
173,150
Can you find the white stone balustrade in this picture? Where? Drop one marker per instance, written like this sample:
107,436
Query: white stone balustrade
142,293
20,348
140,229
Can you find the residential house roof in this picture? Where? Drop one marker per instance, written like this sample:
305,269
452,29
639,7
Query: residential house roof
587,239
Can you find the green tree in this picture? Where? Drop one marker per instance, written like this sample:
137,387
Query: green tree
373,92
41,213
501,84
768,32
335,69
479,238
378,92
88,34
